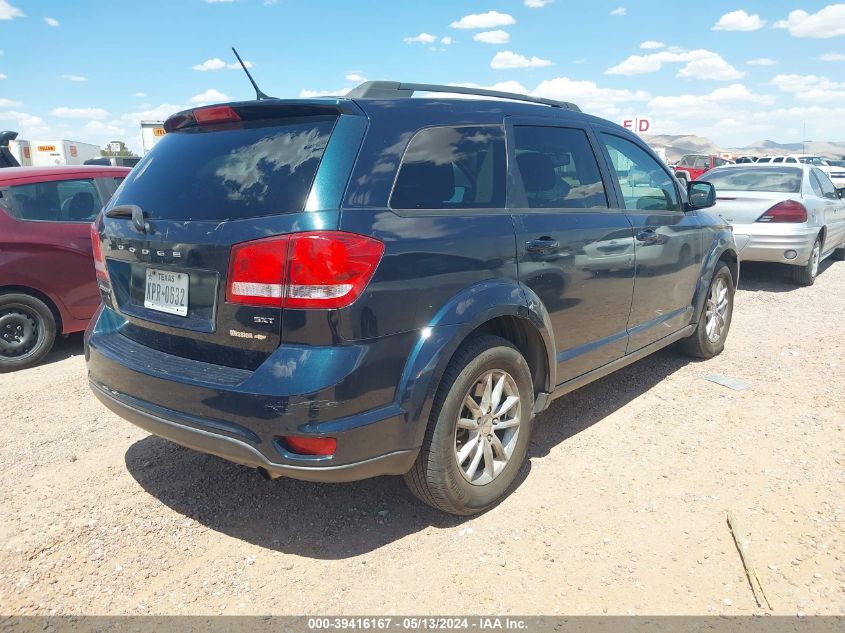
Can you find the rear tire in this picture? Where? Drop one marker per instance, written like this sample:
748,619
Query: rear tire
464,468
710,334
806,275
27,331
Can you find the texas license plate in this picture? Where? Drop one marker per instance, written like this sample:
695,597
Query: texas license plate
166,291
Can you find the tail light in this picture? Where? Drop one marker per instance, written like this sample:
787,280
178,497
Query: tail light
786,211
303,445
321,269
99,260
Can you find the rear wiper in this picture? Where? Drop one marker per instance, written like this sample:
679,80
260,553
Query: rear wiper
131,211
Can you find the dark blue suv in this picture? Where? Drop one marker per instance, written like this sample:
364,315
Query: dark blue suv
334,289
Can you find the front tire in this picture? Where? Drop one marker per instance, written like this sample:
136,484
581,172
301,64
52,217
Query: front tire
478,431
710,334
27,331
806,275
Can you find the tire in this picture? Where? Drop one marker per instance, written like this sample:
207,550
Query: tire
27,331
436,477
806,275
700,344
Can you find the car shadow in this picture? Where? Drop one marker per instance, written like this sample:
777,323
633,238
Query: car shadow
770,277
338,521
65,347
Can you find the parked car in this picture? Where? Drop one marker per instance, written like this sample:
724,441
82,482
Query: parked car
791,214
745,159
333,289
47,282
693,166
114,161
835,173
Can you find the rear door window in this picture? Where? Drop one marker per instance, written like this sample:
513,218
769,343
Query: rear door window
558,168
452,168
56,201
251,170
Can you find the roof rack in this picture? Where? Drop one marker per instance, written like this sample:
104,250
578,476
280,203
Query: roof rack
399,90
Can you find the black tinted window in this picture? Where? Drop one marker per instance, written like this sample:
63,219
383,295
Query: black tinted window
645,184
776,179
249,171
452,168
57,201
558,168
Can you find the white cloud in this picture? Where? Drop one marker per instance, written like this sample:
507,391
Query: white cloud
422,38
209,96
489,20
493,37
619,11
9,12
140,94
761,61
8,103
2,76
446,41
711,66
811,87
215,63
651,45
536,4
51,21
699,64
70,77
506,60
739,21
832,57
588,95
108,129
157,113
356,77
80,113
826,23
218,1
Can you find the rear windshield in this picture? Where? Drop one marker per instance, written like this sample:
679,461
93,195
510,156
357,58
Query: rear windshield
777,179
257,169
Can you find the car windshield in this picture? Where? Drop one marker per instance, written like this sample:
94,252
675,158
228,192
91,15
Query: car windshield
775,179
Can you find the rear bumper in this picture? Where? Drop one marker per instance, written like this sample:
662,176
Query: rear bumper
346,392
762,242
188,434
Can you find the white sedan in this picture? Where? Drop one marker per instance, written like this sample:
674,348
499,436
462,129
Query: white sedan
791,214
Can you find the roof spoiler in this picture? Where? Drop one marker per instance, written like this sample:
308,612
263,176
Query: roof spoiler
399,90
6,157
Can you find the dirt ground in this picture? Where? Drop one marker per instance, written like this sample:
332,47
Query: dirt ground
621,510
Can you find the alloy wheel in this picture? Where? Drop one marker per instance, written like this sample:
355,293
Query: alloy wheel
487,427
716,314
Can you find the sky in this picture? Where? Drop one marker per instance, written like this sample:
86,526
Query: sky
734,71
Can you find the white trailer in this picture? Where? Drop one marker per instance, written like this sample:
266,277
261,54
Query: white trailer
22,151
47,153
151,133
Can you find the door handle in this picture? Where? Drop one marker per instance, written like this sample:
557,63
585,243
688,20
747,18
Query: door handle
649,236
542,245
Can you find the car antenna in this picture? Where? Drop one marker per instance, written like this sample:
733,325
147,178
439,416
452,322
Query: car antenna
258,94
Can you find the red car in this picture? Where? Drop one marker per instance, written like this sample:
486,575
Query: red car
693,166
47,280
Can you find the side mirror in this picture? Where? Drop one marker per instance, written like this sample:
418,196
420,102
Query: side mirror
841,192
701,195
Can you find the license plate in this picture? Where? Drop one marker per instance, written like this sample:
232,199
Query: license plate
166,291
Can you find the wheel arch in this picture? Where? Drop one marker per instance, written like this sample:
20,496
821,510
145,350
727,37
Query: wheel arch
502,308
38,294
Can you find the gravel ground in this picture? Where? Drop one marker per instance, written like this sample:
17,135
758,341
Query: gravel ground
621,510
